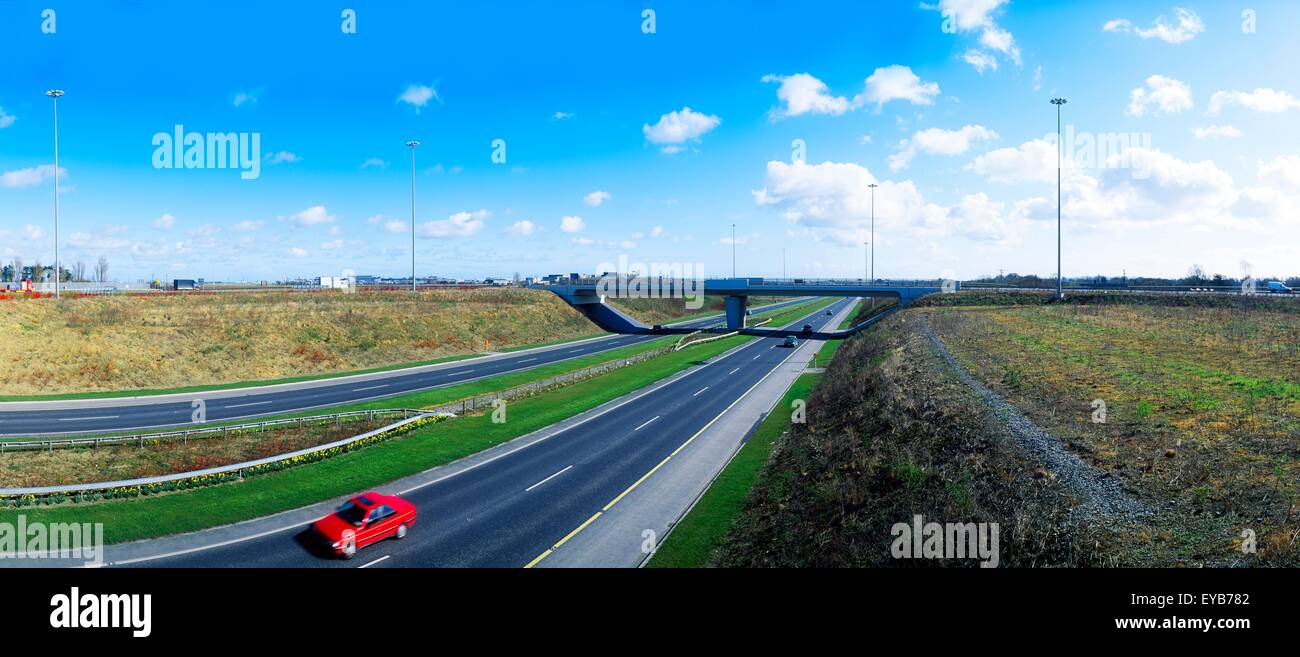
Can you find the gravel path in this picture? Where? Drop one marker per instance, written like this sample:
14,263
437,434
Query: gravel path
1101,493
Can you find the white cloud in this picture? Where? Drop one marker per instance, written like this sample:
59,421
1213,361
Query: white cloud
523,228
164,222
572,224
595,198
678,127
298,252
418,96
330,246
31,176
977,15
281,157
996,38
583,241
802,93
244,98
937,141
1032,161
1165,95
831,202
982,61
1269,101
395,226
560,116
317,214
6,119
896,83
1216,131
657,231
461,224
249,225
969,14
33,232
1038,77
1187,27
1281,171
374,162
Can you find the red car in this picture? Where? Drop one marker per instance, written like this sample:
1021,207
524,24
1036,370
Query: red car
363,520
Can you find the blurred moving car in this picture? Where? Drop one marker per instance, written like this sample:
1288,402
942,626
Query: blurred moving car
790,341
363,520
807,329
1275,287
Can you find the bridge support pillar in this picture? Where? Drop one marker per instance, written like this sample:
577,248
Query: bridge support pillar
736,312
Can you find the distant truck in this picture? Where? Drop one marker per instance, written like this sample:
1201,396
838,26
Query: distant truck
186,284
1275,287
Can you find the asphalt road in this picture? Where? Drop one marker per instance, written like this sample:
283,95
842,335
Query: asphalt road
104,415
510,509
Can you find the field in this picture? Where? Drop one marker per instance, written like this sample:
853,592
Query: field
1201,405
1189,415
164,341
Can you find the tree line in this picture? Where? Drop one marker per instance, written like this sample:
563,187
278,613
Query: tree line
16,271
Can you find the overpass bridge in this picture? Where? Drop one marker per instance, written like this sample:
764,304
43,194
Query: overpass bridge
588,296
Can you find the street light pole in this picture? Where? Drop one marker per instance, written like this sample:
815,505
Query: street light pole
54,94
412,144
1058,102
872,275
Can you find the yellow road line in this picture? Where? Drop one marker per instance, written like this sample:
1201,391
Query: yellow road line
607,507
638,483
562,541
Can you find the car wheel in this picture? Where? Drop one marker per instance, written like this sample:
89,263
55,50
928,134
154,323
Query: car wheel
401,532
350,549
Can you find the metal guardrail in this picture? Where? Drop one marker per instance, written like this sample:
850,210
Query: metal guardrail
186,434
225,469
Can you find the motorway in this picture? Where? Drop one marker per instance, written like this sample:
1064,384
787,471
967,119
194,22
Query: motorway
33,418
510,506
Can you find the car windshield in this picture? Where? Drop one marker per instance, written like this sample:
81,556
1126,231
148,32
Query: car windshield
351,513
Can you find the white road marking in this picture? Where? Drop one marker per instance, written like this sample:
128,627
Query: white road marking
701,390
248,404
385,385
733,371
367,565
756,356
526,360
78,419
646,422
530,488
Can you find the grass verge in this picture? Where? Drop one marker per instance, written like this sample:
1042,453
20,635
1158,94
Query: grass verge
693,541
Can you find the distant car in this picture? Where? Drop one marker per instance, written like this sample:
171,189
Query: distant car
363,520
1275,287
790,341
829,312
807,329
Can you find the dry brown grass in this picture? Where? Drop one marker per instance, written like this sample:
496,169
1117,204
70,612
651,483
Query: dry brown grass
1202,410
76,465
164,341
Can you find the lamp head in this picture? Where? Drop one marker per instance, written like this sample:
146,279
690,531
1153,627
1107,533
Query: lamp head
413,143
1058,101
54,93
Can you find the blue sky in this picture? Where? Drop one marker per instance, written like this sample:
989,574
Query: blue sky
945,107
